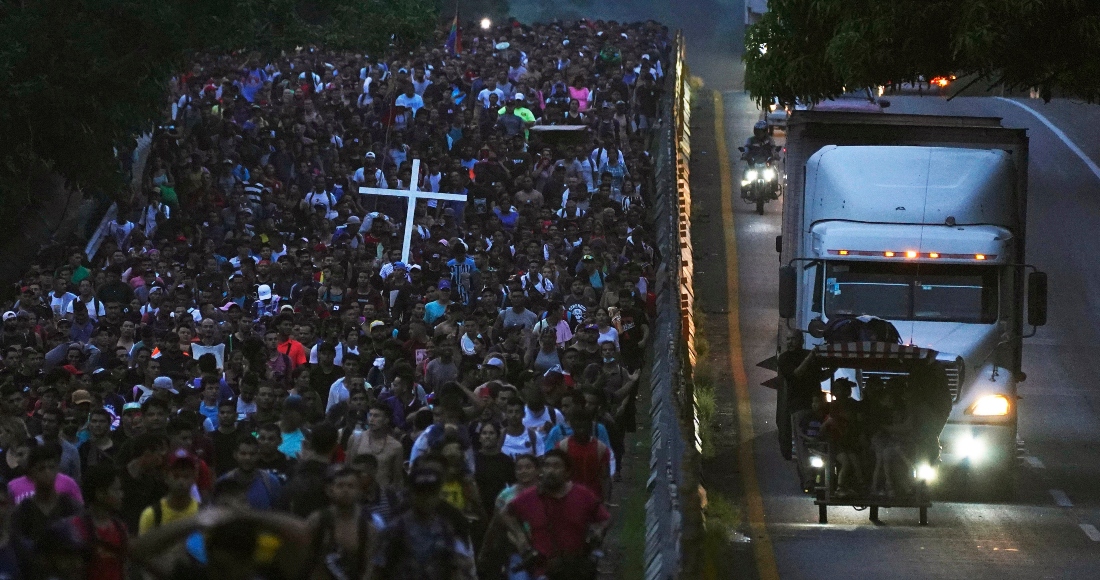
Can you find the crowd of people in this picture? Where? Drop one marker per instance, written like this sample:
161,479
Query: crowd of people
251,379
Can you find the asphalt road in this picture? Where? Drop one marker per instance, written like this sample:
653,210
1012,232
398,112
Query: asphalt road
1049,529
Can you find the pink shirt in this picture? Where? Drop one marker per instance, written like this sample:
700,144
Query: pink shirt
581,95
22,488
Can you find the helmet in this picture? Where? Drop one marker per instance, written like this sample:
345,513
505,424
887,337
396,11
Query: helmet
760,129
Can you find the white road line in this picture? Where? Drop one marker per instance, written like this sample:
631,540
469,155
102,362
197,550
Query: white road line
1095,169
1091,531
1061,498
1034,462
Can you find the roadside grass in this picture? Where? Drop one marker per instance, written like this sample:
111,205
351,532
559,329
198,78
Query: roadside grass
632,512
721,519
703,387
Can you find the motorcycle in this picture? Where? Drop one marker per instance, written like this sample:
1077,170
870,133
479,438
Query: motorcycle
760,180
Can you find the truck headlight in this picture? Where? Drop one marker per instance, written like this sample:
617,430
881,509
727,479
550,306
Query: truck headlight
816,462
926,473
751,175
769,174
990,406
970,448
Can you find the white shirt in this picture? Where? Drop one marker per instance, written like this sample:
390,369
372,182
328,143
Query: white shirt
361,176
338,393
483,96
413,103
95,307
533,421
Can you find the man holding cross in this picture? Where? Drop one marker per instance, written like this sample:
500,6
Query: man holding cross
412,195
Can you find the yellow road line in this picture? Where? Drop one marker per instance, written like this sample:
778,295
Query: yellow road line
761,541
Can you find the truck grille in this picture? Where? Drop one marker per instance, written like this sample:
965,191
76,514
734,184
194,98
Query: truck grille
954,373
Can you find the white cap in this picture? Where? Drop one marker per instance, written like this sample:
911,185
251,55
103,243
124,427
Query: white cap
519,97
264,292
8,315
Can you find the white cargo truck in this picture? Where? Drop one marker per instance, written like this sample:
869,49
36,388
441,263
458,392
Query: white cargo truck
918,220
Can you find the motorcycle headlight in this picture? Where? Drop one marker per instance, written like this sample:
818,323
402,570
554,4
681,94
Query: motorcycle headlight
769,174
751,175
990,406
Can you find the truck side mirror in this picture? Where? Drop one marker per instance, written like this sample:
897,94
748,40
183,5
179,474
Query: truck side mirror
788,291
1036,298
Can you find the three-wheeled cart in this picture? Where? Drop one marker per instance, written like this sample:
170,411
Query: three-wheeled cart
890,368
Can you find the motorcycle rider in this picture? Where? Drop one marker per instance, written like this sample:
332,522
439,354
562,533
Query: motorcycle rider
759,144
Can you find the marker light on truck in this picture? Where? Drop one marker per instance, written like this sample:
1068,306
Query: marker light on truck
933,255
910,254
990,406
843,252
888,254
979,256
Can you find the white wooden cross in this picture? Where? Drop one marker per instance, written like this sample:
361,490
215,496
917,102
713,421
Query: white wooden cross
413,195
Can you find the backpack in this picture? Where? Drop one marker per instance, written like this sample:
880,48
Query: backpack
861,329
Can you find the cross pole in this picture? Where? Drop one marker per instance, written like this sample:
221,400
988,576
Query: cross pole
412,195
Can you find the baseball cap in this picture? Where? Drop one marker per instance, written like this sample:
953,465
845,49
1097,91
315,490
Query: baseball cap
376,324
229,305
264,292
165,383
370,155
128,407
444,284
8,315
414,267
519,97
286,308
495,362
354,220
81,396
400,266
591,326
73,370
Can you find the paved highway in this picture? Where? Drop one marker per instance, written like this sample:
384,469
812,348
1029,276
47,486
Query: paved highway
1050,529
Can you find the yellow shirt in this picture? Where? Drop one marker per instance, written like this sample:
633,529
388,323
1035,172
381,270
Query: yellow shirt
168,515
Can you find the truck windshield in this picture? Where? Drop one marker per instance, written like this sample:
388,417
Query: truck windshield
908,291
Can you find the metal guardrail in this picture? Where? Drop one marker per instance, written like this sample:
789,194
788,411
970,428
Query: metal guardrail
672,506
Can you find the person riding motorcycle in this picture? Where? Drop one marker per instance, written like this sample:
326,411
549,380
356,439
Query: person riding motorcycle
759,144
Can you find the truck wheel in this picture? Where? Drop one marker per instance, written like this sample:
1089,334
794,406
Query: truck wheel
760,207
822,514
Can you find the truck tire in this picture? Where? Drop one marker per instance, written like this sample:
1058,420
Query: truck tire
760,207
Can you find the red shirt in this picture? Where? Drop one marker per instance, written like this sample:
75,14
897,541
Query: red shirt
590,462
573,514
295,351
106,550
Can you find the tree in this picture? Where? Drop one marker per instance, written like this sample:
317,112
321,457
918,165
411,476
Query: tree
810,50
80,77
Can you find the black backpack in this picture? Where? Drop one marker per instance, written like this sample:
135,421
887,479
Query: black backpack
861,329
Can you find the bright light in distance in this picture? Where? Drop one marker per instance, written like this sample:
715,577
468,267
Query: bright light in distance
816,462
751,174
933,255
910,254
486,24
991,406
888,254
979,256
926,472
769,174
